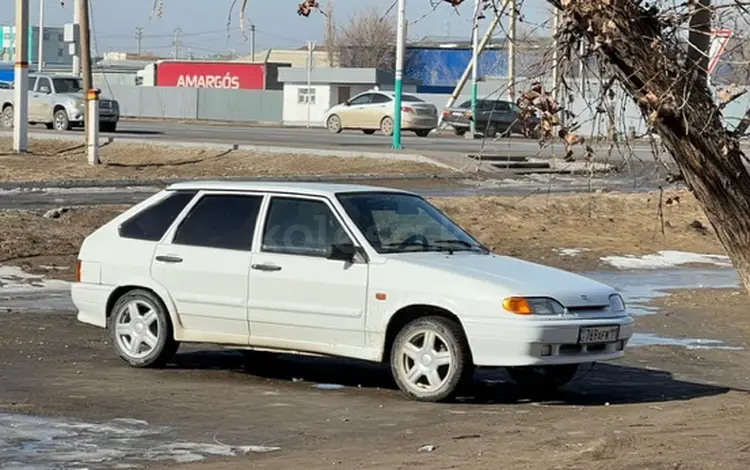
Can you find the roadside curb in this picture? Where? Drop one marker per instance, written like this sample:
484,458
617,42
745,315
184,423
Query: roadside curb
149,183
265,149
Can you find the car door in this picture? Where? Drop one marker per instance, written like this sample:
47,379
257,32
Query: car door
299,298
40,104
352,116
33,109
204,260
380,106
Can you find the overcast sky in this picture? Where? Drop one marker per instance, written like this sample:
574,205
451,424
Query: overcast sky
203,22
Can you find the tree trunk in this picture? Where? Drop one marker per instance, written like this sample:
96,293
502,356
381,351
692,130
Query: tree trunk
673,96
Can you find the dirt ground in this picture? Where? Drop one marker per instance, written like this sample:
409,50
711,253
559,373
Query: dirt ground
659,408
531,228
65,160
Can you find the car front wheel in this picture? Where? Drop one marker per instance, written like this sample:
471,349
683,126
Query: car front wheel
61,121
430,359
8,117
334,124
542,379
141,329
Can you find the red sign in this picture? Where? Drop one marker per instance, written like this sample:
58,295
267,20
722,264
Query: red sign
230,75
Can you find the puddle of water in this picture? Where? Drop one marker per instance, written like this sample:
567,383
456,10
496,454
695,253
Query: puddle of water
29,442
20,291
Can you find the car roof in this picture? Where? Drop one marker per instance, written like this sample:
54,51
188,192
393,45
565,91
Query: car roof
301,187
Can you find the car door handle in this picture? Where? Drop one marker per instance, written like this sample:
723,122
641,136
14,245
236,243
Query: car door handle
169,259
266,267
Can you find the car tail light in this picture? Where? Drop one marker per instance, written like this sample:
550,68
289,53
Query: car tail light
78,270
446,114
407,109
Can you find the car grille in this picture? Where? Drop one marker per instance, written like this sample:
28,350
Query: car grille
105,104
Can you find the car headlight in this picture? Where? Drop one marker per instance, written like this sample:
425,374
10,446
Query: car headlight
533,306
616,303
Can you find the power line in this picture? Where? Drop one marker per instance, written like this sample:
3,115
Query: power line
139,40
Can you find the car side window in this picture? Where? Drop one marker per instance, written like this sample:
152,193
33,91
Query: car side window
220,221
152,223
44,82
360,100
298,226
379,99
32,83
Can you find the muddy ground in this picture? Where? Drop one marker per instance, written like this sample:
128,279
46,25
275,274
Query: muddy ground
533,228
66,160
658,408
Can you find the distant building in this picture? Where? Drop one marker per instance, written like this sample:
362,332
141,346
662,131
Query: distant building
55,49
296,58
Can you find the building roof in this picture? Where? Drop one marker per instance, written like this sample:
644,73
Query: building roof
302,187
340,75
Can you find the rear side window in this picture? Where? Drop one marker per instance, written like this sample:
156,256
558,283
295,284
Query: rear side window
153,222
220,221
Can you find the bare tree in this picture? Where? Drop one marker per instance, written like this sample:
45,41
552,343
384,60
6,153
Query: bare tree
368,39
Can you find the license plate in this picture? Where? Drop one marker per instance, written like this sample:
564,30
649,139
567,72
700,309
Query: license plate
456,113
598,334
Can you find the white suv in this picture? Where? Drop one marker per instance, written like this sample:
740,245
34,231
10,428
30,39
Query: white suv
352,271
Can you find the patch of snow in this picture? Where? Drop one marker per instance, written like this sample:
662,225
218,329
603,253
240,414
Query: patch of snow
570,251
665,259
14,280
650,339
29,442
328,386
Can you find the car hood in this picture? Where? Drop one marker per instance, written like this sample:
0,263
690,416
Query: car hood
80,96
518,277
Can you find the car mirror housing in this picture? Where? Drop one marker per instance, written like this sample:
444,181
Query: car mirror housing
342,252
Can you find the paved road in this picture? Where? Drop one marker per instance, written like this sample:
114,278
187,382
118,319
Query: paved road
348,140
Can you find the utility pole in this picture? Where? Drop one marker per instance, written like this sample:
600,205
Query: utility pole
512,52
21,77
474,68
77,15
138,40
176,42
398,85
308,95
40,53
91,110
252,43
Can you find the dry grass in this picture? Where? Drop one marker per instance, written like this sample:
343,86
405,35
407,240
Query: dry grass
532,228
55,160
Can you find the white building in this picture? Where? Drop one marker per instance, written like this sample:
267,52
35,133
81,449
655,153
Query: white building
55,49
329,87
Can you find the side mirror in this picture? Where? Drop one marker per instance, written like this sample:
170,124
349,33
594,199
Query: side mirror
342,252
347,103
45,90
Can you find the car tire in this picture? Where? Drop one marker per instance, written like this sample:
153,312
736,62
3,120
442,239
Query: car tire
333,124
386,126
368,131
542,379
152,318
460,130
108,127
61,121
49,125
490,131
447,360
8,117
422,133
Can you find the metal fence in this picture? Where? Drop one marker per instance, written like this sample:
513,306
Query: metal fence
197,103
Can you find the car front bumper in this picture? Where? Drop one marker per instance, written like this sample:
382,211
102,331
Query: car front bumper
542,342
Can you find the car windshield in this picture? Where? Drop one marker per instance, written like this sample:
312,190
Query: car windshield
399,223
67,85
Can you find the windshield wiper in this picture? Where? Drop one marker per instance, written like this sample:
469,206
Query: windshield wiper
462,243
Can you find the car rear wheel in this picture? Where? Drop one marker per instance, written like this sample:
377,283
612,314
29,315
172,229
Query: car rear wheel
334,124
430,359
542,379
386,126
8,117
141,330
459,130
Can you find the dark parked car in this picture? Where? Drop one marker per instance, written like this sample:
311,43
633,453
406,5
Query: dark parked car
493,117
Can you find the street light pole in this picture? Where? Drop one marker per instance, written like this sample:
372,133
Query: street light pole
398,85
21,79
77,14
474,68
40,54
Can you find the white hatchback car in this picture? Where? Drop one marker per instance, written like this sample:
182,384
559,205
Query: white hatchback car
351,271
